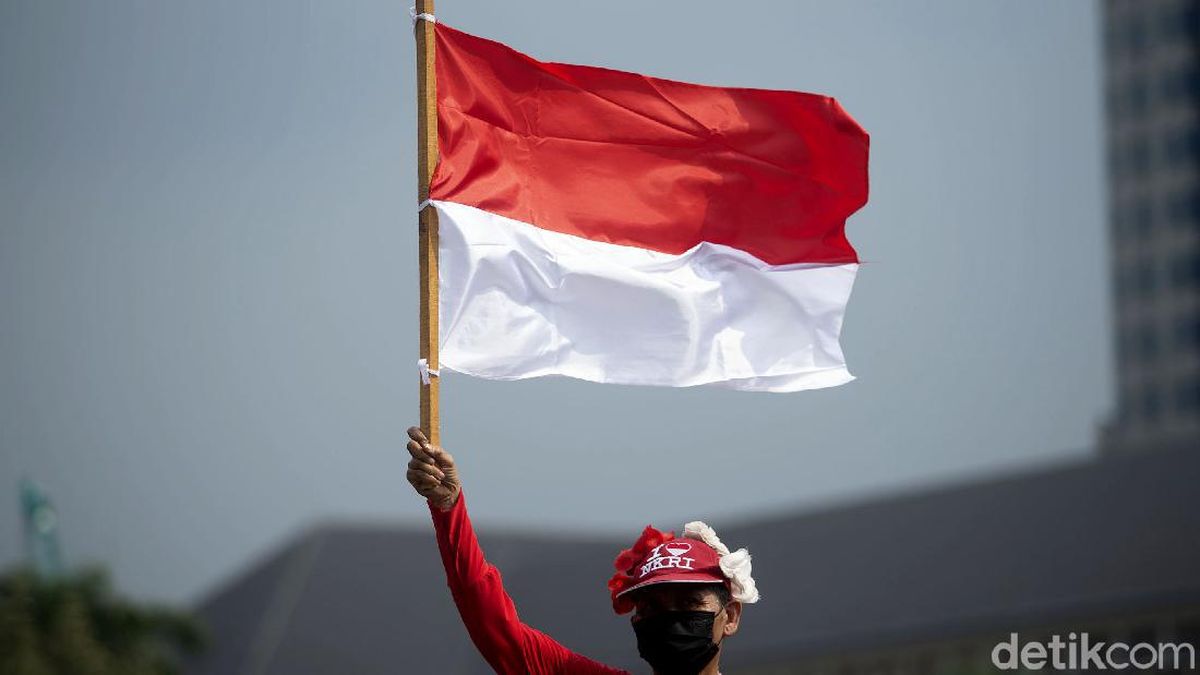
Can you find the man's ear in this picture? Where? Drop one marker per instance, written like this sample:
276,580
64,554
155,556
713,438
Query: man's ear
733,615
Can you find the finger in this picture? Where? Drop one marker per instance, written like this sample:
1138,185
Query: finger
421,480
418,451
418,465
439,455
417,435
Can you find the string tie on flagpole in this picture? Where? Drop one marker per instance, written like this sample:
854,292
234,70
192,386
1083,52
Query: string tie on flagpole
423,204
426,371
423,16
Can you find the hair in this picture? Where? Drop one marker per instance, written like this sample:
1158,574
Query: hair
699,593
724,595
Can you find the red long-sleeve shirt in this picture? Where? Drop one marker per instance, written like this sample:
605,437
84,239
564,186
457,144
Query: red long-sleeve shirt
489,614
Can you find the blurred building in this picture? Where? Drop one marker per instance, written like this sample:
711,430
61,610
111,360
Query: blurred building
1152,65
915,584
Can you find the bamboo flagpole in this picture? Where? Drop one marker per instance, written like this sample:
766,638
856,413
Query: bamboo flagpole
427,156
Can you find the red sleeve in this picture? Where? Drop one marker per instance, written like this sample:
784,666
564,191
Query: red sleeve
489,614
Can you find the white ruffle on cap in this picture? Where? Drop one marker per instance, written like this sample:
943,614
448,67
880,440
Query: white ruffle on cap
735,565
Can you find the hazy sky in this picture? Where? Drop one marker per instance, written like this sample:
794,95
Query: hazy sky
208,273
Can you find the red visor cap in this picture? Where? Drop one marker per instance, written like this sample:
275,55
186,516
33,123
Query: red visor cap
658,558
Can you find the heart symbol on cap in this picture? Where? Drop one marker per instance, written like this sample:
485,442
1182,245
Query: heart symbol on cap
678,549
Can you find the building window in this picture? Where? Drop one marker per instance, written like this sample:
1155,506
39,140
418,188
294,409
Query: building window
1131,34
1130,159
1180,86
1187,333
1151,404
1182,147
1112,100
1147,343
1144,282
1143,218
1126,351
1185,270
1137,283
1137,97
1180,23
1187,397
1114,161
1137,157
1183,208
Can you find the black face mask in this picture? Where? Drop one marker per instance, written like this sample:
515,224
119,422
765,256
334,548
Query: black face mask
677,643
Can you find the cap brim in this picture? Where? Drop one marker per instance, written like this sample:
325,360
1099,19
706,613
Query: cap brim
698,578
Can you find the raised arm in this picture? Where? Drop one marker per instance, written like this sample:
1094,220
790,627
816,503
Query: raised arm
489,614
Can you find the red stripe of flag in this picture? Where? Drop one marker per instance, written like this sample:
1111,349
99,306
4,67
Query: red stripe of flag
628,159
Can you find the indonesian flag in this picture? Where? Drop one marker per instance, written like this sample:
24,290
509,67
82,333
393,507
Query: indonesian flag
620,228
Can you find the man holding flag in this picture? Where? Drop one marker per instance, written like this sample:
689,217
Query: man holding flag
618,228
686,594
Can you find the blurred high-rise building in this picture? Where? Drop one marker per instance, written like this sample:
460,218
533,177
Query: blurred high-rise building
1152,87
